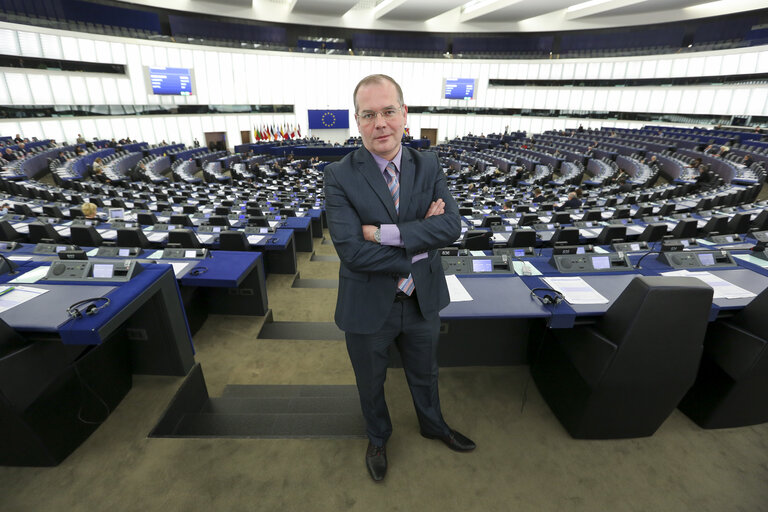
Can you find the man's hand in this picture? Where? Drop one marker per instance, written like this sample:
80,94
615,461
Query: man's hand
368,232
436,208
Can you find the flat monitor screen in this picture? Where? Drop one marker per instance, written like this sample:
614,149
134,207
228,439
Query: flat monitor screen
217,229
707,259
190,254
459,88
580,250
171,81
60,248
116,213
123,252
482,266
684,242
635,247
600,262
519,253
103,270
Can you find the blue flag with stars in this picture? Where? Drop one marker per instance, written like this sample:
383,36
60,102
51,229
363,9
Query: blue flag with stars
328,119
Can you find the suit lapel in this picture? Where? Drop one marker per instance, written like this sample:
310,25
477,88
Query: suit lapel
407,177
370,171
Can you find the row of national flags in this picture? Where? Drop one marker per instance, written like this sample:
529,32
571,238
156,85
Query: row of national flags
284,132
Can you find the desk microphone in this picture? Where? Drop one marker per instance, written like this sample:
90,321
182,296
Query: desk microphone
8,265
652,251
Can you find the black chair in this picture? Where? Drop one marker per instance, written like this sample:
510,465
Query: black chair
189,208
184,238
233,241
666,209
568,235
117,203
53,211
147,219
761,221
86,236
528,219
653,232
24,209
181,220
593,215
218,220
643,211
622,212
40,231
254,211
731,389
477,240
287,212
522,238
132,237
9,234
625,375
490,220
611,234
561,218
76,213
739,224
686,228
221,210
716,224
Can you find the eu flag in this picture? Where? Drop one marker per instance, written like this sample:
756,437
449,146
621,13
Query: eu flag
328,119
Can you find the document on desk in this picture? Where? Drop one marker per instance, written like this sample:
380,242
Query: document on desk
500,238
456,290
575,290
109,234
760,262
255,239
155,255
723,289
157,237
272,223
11,296
525,268
32,276
204,239
21,227
589,233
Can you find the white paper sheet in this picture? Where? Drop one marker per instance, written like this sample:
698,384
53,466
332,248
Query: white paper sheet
575,290
13,296
456,289
255,239
723,289
32,276
157,237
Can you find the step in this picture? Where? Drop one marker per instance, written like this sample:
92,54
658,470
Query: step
301,331
324,257
273,426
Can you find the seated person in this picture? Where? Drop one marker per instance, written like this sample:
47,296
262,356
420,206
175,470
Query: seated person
707,179
90,212
572,203
537,196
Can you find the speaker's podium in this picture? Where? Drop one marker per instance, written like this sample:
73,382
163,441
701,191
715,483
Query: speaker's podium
63,370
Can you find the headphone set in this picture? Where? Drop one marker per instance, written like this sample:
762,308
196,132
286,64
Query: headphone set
198,271
554,297
92,307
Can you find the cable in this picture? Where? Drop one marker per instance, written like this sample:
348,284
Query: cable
652,251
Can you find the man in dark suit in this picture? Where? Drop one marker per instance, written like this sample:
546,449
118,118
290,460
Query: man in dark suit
388,210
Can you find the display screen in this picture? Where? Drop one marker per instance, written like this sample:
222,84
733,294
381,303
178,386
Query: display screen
116,213
519,253
459,88
123,252
190,254
729,239
635,247
172,81
684,242
103,270
707,259
600,262
482,266
580,250
60,248
217,229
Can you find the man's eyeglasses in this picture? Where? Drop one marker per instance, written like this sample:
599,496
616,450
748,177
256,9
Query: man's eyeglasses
368,116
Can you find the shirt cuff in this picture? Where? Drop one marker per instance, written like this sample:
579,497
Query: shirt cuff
419,257
390,235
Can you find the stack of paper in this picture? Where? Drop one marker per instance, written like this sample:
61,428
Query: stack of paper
575,290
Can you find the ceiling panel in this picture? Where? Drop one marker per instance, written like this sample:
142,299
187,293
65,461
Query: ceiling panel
525,9
421,10
649,6
325,8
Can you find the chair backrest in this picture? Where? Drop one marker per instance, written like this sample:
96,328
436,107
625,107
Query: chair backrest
653,232
686,228
643,211
561,218
218,220
568,235
761,221
666,209
132,237
753,317
85,236
147,219
233,241
738,224
181,220
184,237
477,240
717,223
522,238
611,233
8,233
654,323
39,231
221,210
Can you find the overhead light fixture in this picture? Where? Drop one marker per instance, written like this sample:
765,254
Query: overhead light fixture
474,5
586,5
382,5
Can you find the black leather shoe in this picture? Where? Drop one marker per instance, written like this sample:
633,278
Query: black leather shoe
454,440
376,461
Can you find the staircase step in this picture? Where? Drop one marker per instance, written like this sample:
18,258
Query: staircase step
272,425
301,331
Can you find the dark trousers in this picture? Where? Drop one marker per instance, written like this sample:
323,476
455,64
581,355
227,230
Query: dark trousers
416,339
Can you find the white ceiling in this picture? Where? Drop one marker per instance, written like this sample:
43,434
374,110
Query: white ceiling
460,16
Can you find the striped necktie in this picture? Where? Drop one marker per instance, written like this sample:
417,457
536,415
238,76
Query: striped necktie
405,284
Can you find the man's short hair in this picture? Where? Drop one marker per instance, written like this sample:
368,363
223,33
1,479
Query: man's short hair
377,79
536,191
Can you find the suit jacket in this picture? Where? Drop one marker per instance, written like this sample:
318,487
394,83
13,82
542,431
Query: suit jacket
357,194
